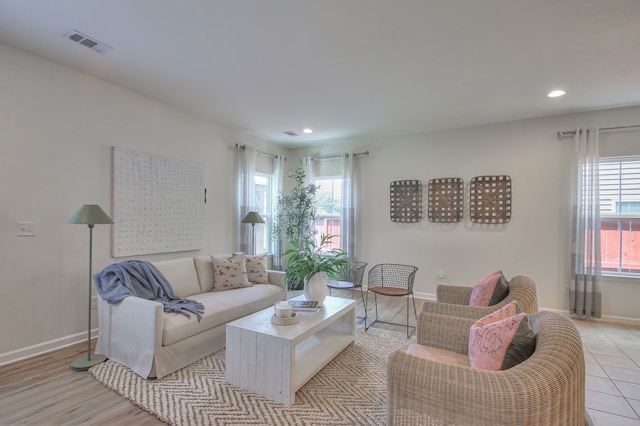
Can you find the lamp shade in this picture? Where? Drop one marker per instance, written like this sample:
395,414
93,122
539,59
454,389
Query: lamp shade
253,218
90,214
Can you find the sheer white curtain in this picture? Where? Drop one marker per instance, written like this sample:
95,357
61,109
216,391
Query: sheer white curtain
245,194
307,166
586,274
347,214
277,188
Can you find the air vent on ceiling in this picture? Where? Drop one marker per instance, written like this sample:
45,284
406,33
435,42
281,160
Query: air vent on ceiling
290,133
89,42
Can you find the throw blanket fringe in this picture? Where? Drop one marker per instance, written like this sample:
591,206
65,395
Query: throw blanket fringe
141,279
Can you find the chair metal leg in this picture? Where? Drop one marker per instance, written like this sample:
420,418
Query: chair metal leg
407,317
375,298
366,313
415,312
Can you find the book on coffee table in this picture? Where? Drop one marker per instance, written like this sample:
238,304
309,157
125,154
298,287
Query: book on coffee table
304,305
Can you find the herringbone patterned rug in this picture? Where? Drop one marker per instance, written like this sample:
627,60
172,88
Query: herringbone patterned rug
350,390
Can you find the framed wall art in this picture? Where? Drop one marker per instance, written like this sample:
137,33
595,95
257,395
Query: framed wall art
406,201
158,204
445,200
490,199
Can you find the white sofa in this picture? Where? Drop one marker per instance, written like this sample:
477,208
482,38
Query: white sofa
139,334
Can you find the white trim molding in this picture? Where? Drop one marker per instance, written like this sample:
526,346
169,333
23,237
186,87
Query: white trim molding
45,347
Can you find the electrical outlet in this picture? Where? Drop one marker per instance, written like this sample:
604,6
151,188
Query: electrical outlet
26,229
94,302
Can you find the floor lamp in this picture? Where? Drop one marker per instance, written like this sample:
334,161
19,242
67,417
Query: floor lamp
253,218
89,214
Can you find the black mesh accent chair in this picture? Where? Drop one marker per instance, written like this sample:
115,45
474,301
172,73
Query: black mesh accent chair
389,279
349,277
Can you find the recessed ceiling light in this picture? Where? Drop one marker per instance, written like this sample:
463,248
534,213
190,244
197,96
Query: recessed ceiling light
556,93
307,131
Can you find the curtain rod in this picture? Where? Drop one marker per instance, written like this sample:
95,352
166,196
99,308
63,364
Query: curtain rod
268,154
569,133
326,157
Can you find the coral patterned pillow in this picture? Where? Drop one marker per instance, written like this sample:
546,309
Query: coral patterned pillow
501,339
257,269
230,272
490,290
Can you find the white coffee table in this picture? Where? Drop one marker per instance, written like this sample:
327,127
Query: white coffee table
277,360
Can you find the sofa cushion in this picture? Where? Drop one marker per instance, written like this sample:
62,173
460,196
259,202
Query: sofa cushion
501,340
220,307
204,269
257,269
438,355
490,290
181,274
230,272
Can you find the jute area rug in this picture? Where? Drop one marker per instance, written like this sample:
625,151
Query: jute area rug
350,390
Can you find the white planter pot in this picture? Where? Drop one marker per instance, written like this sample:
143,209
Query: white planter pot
316,287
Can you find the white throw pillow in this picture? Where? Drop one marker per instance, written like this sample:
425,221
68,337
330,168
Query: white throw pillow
230,272
257,269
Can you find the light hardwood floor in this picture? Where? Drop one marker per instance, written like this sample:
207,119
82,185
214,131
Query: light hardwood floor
44,390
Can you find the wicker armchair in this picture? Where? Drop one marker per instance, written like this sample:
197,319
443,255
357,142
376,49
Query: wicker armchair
454,300
546,389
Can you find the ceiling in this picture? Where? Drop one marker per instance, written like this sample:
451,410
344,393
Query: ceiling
347,68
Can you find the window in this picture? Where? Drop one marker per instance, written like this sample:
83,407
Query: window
329,204
263,200
619,179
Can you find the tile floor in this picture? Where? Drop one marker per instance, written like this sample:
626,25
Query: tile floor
612,357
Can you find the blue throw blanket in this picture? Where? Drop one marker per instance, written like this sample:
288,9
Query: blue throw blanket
142,279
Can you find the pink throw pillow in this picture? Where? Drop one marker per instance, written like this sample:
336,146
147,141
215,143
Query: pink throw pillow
490,290
501,339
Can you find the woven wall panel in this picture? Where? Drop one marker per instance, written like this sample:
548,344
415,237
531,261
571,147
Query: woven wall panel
406,201
445,200
490,199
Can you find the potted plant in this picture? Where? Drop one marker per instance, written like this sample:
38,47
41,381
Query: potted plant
309,265
296,216
297,212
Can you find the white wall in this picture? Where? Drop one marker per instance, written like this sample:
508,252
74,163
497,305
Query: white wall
57,127
536,241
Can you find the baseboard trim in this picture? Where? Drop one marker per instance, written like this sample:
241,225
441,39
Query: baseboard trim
427,296
45,347
605,318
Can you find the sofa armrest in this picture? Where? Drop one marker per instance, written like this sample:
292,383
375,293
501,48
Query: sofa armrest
276,278
459,295
444,332
130,332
